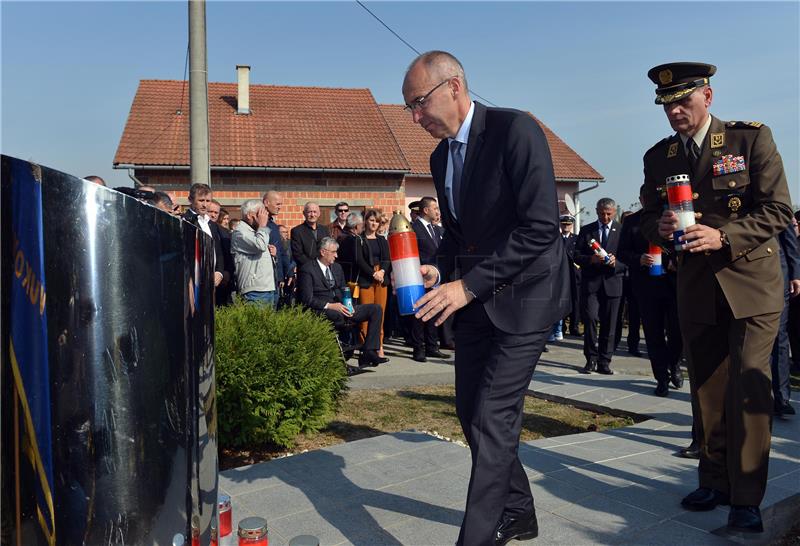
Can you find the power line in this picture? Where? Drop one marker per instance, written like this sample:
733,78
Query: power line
472,91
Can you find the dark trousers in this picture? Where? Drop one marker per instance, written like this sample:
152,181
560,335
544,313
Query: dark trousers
779,362
598,307
630,306
493,371
424,335
574,316
369,313
793,329
730,379
662,333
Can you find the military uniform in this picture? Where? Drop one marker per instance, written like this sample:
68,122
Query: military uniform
729,300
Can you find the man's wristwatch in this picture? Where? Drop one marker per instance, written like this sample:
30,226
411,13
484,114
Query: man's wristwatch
723,239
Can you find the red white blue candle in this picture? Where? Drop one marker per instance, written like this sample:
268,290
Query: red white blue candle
655,267
679,196
404,252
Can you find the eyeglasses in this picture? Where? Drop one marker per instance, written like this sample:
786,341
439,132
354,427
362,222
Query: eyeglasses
419,104
342,210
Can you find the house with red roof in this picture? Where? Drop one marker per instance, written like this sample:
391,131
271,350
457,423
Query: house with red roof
310,143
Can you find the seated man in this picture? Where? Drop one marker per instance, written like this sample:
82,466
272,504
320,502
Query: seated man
319,287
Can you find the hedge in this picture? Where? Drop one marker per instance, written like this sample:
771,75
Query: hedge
278,374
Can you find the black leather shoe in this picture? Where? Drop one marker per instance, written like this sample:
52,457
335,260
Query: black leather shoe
590,367
370,359
746,519
435,353
782,407
662,389
419,355
676,376
692,451
604,369
635,352
522,528
704,499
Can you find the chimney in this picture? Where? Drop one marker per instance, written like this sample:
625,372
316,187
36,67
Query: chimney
243,79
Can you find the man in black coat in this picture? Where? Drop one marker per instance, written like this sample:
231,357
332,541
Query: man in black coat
306,236
319,287
494,180
200,197
601,287
567,224
424,335
658,304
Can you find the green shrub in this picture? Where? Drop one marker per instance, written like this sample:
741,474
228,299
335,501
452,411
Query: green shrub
278,374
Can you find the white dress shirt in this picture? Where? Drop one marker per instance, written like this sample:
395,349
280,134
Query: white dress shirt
462,136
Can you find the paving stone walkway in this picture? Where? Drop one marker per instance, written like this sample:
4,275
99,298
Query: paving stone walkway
616,487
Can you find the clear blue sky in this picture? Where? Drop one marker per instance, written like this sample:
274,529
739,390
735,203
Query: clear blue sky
70,70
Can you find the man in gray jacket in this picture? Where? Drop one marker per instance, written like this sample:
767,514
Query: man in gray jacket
255,265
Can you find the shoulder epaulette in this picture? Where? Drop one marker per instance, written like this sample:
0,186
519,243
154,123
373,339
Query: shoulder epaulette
744,124
657,144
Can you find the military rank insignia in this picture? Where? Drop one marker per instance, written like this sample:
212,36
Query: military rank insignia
734,202
717,140
672,151
728,164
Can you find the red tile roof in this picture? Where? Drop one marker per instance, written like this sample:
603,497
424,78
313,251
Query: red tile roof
290,127
417,145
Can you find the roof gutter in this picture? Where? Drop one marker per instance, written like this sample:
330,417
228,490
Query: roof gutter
264,169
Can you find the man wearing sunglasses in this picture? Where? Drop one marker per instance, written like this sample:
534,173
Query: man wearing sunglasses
494,179
337,226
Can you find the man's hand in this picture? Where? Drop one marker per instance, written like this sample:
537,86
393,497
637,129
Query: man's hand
262,217
273,250
647,260
429,277
612,260
667,224
699,238
341,308
217,278
794,287
595,259
444,301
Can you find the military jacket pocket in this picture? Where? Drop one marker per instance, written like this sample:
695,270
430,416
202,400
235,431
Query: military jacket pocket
736,182
763,251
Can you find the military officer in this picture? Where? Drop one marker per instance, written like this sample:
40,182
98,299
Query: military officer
730,288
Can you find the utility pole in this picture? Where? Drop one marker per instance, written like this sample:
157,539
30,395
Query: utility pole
198,94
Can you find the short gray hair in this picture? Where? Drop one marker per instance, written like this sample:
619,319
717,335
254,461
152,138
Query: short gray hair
606,203
328,242
353,219
251,205
441,64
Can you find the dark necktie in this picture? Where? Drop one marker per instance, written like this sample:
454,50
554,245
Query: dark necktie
604,236
433,236
692,152
329,277
458,167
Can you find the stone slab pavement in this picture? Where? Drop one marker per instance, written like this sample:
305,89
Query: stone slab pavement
621,486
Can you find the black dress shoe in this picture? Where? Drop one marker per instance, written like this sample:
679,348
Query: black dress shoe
419,355
604,369
370,359
676,376
662,389
435,353
590,367
746,519
782,407
704,499
635,352
521,528
692,451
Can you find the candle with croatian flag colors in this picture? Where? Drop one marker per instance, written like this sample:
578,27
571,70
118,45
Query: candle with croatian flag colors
404,253
679,196
599,250
655,268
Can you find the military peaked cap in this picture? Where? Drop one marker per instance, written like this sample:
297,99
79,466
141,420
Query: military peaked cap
677,80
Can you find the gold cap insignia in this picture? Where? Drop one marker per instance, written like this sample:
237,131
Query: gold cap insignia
665,76
673,150
717,140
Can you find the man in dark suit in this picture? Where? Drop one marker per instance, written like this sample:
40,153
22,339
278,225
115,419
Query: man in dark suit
200,198
730,287
567,224
306,236
601,287
658,304
790,266
494,178
319,287
424,335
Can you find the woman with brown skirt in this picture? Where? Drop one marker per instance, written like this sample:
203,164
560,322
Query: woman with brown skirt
374,287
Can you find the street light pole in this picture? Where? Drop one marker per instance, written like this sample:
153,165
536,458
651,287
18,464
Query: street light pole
198,94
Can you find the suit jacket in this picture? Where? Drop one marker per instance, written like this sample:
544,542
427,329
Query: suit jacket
632,245
312,288
790,253
505,243
304,242
593,276
750,206
283,263
219,256
427,246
